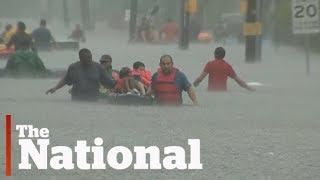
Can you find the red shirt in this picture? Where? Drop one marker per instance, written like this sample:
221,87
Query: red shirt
219,71
171,30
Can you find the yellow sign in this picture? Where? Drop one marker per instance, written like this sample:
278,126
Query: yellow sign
243,6
192,6
252,29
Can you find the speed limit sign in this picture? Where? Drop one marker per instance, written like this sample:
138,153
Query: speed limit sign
305,16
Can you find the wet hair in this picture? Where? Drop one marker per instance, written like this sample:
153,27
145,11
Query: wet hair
43,22
124,72
138,64
166,56
105,58
83,52
21,26
219,53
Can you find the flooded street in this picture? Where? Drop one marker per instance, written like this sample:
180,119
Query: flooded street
272,133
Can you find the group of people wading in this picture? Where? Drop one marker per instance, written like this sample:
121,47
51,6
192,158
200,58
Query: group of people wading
166,85
22,46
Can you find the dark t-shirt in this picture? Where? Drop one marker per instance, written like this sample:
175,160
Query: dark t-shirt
42,37
86,81
21,41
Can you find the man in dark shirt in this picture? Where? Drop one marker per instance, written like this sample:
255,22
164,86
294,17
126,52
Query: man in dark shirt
42,36
21,40
85,77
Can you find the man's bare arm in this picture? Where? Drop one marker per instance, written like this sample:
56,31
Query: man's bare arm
149,92
33,47
60,84
192,96
243,84
200,78
141,88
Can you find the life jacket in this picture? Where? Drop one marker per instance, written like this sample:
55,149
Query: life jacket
144,76
135,72
121,86
166,91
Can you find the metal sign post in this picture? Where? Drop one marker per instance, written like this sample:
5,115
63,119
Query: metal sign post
182,42
252,29
307,51
305,21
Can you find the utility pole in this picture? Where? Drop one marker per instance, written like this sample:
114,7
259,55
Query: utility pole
203,13
65,13
184,26
253,31
133,19
186,8
44,9
85,14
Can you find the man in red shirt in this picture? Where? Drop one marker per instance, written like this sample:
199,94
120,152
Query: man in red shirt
170,31
219,71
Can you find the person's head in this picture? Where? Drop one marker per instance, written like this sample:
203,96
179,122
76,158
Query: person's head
85,56
21,27
8,27
139,66
125,72
170,20
106,61
43,23
219,53
166,64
